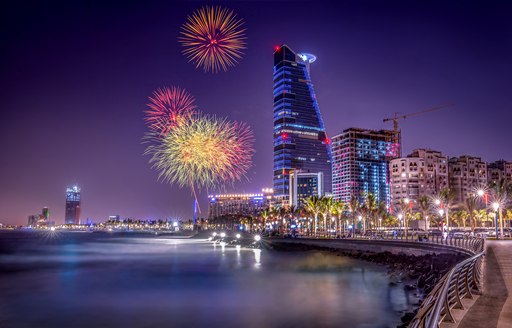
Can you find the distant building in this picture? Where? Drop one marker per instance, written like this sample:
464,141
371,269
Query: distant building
361,163
238,204
424,172
46,214
32,220
466,173
72,215
300,142
304,185
499,170
114,218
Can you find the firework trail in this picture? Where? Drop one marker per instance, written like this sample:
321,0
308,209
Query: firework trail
169,107
213,38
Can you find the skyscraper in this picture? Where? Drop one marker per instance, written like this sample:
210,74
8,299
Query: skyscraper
300,142
72,205
361,163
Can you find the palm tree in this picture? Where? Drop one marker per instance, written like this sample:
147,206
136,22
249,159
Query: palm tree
404,209
327,209
470,206
502,193
353,207
265,215
424,207
338,209
381,212
313,205
445,199
369,207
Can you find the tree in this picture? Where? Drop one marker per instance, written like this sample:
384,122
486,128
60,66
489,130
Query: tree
470,206
502,192
264,216
313,205
327,209
382,211
338,209
445,199
369,207
424,207
353,207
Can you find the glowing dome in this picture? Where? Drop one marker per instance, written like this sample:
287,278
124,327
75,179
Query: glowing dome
308,58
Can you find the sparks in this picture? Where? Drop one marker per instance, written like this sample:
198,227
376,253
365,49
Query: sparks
213,38
169,107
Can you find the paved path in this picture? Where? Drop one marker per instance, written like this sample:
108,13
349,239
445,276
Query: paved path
494,307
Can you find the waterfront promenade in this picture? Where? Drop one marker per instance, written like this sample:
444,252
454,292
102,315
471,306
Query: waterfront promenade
494,307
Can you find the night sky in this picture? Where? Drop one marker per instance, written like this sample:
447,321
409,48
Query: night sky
75,77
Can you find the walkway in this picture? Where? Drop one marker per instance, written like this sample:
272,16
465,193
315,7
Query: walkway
494,307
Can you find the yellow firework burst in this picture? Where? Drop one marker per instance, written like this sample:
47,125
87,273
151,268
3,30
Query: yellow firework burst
213,38
205,152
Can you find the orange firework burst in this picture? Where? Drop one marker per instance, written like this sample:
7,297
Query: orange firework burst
169,107
213,38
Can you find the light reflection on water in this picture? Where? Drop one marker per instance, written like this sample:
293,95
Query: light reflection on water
86,280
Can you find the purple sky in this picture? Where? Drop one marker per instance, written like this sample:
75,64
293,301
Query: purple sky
75,80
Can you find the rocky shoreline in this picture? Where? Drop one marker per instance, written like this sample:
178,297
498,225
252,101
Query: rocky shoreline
416,272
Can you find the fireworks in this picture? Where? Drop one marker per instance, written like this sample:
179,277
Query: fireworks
192,149
169,107
205,152
213,38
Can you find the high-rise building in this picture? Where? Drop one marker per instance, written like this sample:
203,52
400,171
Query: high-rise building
499,170
46,214
238,204
72,215
466,173
361,163
300,142
424,172
32,220
304,185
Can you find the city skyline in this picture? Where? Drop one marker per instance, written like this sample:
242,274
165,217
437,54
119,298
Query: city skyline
73,94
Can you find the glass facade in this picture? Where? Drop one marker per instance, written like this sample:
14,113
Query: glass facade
300,142
361,163
72,215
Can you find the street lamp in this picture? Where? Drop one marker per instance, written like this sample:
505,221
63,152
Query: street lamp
496,207
360,218
400,216
480,192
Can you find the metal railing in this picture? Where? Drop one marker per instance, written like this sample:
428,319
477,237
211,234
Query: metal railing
460,282
471,244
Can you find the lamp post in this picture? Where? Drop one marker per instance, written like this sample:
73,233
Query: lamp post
496,207
399,222
406,202
438,202
482,194
445,233
360,218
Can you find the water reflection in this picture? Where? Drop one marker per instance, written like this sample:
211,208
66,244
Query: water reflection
85,281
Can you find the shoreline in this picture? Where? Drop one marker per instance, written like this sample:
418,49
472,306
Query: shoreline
415,272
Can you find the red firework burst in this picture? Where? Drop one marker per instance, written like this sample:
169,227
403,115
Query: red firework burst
213,38
169,107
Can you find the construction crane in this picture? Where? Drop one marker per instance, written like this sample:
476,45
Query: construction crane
398,117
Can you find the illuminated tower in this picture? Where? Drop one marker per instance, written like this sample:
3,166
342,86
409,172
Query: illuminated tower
300,142
72,205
